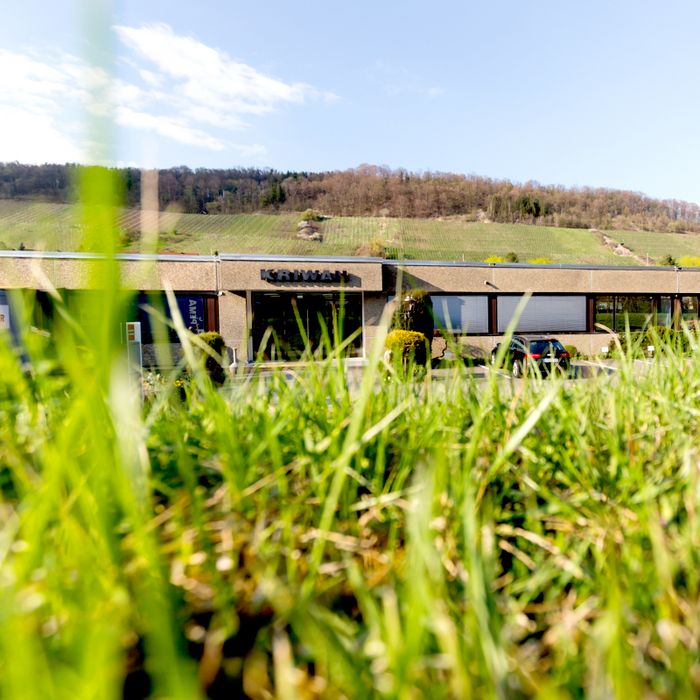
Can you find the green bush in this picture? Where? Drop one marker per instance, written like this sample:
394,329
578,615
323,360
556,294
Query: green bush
311,215
214,365
572,350
495,259
541,261
411,346
512,257
668,261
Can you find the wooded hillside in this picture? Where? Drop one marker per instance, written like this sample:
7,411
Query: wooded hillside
372,191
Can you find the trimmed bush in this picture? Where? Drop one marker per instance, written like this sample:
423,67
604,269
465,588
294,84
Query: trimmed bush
214,366
411,346
572,350
541,261
494,259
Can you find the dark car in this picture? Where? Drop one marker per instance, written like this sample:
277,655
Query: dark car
523,353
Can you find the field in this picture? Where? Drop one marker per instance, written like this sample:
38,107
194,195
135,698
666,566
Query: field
659,245
301,536
58,227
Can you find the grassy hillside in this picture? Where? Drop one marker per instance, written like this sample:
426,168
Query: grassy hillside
42,226
658,245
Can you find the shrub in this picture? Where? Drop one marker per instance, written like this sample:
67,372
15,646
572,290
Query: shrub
541,261
494,259
415,313
213,365
512,257
669,261
411,346
689,261
572,350
373,249
311,215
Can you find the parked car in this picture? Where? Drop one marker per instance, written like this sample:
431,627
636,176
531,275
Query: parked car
523,353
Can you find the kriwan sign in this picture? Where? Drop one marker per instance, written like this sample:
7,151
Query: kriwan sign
318,276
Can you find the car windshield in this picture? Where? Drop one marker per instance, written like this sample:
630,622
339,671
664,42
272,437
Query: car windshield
542,346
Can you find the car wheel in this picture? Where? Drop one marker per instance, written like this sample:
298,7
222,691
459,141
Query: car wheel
517,369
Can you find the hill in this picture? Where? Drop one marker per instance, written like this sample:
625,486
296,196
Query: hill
370,191
46,226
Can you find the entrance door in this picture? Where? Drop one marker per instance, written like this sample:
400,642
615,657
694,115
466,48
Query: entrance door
284,322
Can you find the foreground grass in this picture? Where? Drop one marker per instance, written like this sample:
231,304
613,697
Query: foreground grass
295,536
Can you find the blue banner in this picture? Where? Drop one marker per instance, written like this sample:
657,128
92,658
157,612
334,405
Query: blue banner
192,312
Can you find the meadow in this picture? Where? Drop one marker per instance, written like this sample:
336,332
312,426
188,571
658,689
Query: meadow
300,535
41,226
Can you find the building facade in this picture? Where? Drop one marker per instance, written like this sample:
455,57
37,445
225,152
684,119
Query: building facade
272,307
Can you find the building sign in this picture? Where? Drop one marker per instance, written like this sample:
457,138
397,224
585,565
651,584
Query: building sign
5,316
192,312
318,276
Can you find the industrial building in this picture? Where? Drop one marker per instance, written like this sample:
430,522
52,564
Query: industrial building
266,307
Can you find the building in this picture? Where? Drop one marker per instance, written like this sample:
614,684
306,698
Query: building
265,306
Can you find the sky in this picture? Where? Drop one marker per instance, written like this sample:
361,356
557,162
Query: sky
597,94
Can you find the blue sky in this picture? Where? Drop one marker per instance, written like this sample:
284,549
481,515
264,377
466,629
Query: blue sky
578,94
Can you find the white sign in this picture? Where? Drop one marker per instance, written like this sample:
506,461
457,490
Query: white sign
133,332
5,316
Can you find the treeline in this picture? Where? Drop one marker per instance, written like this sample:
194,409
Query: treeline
371,191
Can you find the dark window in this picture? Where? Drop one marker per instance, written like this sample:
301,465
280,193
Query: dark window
689,309
542,346
633,311
664,315
605,311
622,311
284,322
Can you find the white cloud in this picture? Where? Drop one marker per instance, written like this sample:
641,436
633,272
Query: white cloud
207,75
46,143
173,86
169,127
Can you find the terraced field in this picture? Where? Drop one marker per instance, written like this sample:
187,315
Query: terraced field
40,226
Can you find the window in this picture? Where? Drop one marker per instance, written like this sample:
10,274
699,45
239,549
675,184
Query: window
689,309
664,315
543,313
635,311
284,322
461,314
620,311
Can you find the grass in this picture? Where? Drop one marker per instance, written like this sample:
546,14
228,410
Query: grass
658,245
299,535
58,227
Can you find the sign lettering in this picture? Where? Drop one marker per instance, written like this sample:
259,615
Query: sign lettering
320,276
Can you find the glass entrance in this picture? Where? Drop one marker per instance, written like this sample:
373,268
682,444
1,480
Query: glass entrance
283,323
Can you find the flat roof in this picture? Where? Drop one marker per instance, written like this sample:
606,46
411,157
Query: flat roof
344,259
